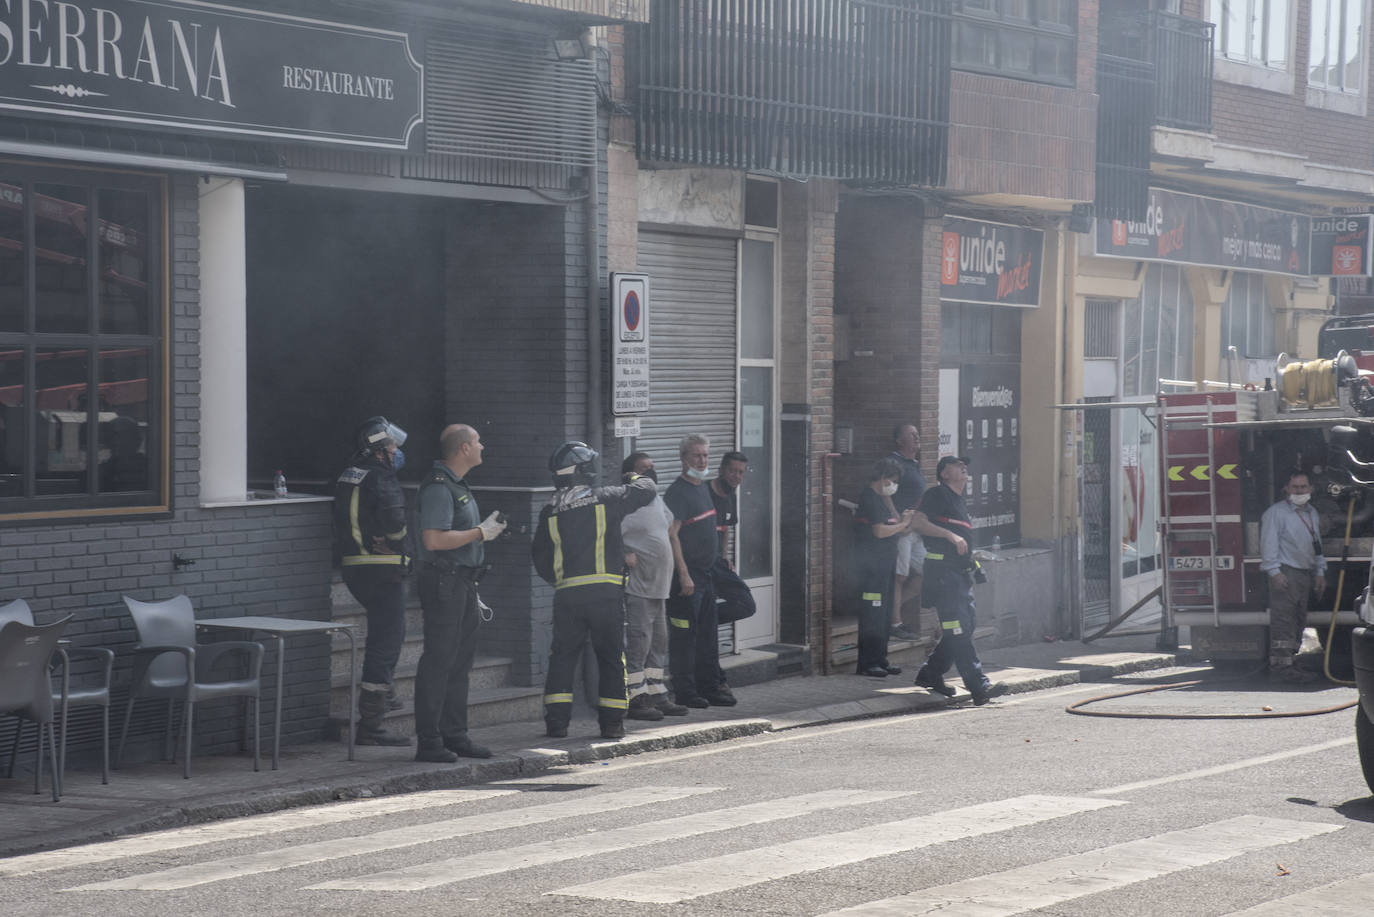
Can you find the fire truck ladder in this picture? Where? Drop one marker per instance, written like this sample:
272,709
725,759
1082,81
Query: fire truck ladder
1168,427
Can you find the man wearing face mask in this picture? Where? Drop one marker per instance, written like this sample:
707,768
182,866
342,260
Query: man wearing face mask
693,653
734,600
1291,556
370,544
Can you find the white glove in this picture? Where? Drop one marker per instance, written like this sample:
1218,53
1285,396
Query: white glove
492,527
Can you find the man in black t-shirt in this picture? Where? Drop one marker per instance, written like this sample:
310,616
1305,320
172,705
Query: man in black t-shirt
693,654
945,528
906,450
734,601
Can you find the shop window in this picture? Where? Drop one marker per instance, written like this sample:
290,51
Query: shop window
1157,332
81,419
1023,39
1253,32
1247,322
1336,50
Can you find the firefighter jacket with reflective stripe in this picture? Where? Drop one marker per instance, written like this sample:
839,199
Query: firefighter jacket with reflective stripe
577,546
370,516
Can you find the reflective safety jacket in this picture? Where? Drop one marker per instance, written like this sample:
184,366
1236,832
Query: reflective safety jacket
577,545
370,516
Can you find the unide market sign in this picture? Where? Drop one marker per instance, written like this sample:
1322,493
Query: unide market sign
210,68
1188,229
994,263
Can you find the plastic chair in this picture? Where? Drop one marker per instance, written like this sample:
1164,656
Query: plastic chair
89,694
25,688
170,664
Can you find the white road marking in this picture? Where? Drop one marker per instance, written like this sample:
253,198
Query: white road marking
410,836
684,881
1339,899
444,872
1052,882
1225,768
236,829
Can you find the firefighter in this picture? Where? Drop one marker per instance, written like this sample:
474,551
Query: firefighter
577,548
370,544
1291,556
950,572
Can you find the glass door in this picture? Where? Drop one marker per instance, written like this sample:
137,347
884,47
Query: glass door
756,544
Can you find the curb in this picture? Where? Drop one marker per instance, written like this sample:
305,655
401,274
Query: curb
532,761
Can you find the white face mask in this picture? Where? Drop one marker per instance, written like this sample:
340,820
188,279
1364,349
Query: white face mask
1299,499
888,488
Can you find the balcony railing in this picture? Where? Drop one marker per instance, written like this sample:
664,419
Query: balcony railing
848,89
1181,51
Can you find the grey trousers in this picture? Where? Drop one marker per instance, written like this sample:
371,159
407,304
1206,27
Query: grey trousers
646,645
1288,615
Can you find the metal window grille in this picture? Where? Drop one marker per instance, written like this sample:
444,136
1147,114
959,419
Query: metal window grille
1100,335
847,89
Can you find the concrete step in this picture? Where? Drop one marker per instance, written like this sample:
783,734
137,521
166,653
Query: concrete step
411,650
488,673
486,707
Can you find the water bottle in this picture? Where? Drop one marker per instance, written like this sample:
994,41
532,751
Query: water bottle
996,543
279,484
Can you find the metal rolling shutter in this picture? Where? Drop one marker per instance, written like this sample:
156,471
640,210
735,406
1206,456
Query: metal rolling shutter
691,345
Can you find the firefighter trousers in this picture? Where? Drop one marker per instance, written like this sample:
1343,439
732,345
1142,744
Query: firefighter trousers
573,622
950,591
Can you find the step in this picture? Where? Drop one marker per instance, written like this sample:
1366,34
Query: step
411,650
488,673
486,707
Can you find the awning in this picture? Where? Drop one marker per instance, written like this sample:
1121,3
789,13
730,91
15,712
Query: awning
152,161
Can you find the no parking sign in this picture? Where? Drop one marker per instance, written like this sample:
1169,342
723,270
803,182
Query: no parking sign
630,344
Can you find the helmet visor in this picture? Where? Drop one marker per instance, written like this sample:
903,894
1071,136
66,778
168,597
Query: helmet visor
396,434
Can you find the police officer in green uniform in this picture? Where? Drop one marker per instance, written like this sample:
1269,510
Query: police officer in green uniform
451,559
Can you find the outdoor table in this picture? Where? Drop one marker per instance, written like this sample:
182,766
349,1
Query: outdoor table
280,629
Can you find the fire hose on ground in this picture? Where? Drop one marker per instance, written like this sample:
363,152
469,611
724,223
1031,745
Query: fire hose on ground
1078,708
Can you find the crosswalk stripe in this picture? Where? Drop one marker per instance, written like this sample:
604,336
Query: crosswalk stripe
410,836
236,829
491,862
1052,882
684,881
1224,768
1339,899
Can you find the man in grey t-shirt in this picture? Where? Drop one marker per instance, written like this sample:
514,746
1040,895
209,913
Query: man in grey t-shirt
649,558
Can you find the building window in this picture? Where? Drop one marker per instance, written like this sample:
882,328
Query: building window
1253,31
967,329
81,331
1336,57
1247,322
1023,39
1158,330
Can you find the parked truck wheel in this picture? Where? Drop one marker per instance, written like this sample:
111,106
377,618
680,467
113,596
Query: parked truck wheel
1362,645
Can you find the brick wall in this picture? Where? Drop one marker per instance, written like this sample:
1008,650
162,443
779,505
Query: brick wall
1246,116
271,559
1020,138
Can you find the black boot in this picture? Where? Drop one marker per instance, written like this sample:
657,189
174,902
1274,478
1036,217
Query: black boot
434,752
370,731
612,729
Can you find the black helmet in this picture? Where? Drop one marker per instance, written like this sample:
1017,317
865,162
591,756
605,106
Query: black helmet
377,433
571,461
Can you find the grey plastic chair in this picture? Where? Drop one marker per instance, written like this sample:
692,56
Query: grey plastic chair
25,688
90,693
170,664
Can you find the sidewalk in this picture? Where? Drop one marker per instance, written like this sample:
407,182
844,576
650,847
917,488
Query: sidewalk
151,796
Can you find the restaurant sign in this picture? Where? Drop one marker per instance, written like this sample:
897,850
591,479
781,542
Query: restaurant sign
212,69
993,263
1187,229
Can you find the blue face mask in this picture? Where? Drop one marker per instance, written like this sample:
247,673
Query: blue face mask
398,460
694,474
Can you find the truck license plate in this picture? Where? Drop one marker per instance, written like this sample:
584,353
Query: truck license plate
1202,562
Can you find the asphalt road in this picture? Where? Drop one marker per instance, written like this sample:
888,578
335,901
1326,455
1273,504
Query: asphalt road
1013,808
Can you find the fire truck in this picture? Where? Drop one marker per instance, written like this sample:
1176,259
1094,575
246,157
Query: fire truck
1225,455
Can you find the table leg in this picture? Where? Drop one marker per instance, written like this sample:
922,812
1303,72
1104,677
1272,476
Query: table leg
276,720
352,687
